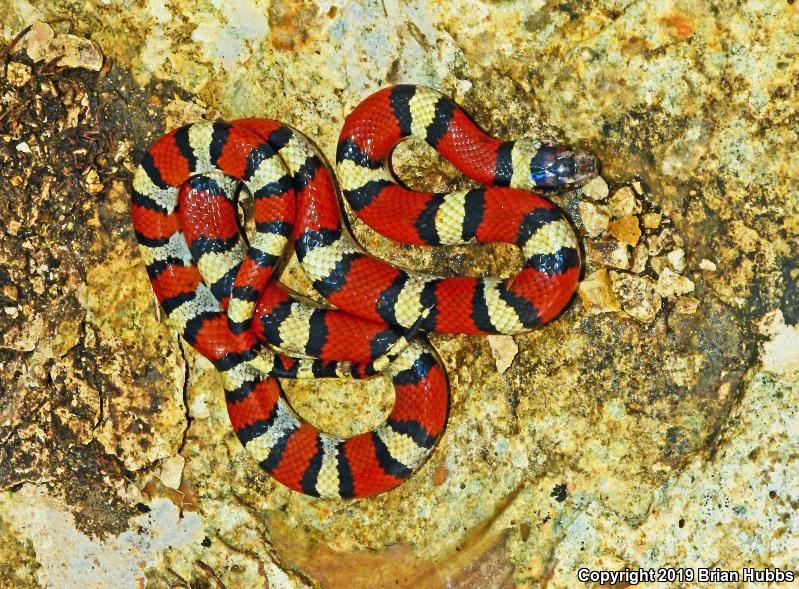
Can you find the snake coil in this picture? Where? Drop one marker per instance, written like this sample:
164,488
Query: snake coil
220,293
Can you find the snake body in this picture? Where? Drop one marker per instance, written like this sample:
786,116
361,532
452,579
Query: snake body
220,293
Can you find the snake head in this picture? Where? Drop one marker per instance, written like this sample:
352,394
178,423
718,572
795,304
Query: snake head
559,166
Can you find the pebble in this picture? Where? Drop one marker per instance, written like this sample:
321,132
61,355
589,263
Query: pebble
706,264
652,220
609,252
70,50
172,471
686,305
23,147
639,259
10,291
504,350
597,295
92,182
181,112
596,189
670,283
657,243
595,217
18,74
627,230
623,203
637,295
658,263
38,285
677,259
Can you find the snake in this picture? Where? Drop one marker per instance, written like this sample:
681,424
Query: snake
220,289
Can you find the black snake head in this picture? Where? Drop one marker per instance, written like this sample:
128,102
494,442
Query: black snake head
559,166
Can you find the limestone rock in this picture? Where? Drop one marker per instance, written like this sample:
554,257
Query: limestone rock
639,258
172,471
670,283
707,265
686,305
637,294
609,252
504,350
626,230
624,203
18,74
597,294
68,50
595,217
596,189
652,220
677,259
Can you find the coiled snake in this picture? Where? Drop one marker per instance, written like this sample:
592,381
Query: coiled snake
220,292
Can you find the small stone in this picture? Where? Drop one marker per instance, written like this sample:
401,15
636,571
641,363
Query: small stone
172,471
16,180
38,285
597,295
38,38
18,74
181,112
677,259
609,252
658,263
657,243
637,295
92,182
504,350
626,230
686,305
623,203
595,217
640,257
596,189
10,291
639,190
670,283
23,147
652,220
706,264
13,227
12,312
70,50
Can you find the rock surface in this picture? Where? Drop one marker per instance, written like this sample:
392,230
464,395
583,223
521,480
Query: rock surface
609,441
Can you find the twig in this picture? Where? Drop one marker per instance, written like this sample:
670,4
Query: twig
210,572
7,49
